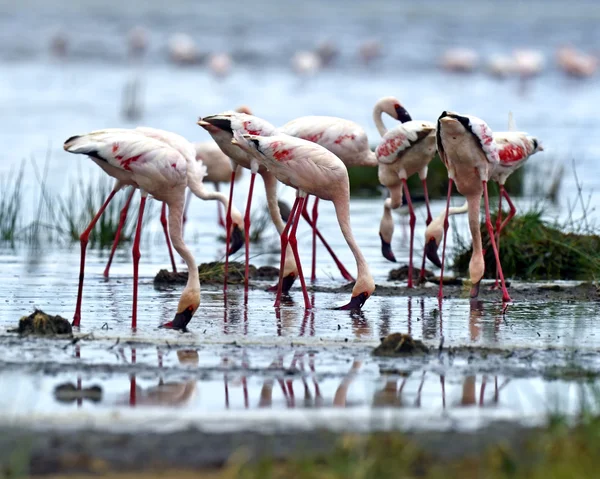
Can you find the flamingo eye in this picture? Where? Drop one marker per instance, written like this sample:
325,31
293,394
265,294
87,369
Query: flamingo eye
190,308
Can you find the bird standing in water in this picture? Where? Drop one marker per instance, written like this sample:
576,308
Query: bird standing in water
158,169
467,148
312,170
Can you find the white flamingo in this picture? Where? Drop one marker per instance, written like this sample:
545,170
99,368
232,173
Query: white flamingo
158,169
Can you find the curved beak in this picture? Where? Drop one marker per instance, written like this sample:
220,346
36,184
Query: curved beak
386,250
431,252
220,123
180,322
356,302
237,240
286,285
402,114
475,289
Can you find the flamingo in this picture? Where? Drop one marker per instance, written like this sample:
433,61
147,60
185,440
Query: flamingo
462,60
404,150
158,169
468,150
345,139
514,149
312,170
220,64
186,149
183,50
576,63
305,63
137,41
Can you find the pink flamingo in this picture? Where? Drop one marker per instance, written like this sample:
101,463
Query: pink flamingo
404,150
158,169
312,170
468,150
188,151
345,139
514,149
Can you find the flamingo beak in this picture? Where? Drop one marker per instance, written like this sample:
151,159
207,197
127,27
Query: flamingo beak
212,121
386,250
180,322
237,240
356,302
286,285
431,252
402,114
475,289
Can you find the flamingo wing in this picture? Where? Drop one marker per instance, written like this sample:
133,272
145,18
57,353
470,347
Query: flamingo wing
401,138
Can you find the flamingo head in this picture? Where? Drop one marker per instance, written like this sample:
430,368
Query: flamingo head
188,304
537,146
433,237
362,290
394,108
216,124
237,231
244,109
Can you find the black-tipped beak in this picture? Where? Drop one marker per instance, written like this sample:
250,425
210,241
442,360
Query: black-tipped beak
286,285
386,250
402,114
475,289
431,249
180,322
356,302
221,123
237,240
69,140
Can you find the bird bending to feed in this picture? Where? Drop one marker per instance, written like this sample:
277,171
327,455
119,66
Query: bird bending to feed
312,170
187,150
158,169
467,148
514,149
345,139
404,150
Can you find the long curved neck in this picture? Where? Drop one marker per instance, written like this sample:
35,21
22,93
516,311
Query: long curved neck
342,210
175,232
271,191
377,118
473,204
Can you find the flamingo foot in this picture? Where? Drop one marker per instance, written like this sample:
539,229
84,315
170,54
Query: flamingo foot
237,240
356,302
386,250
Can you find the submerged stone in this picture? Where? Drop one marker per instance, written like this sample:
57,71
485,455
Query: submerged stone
399,344
68,392
212,273
40,323
401,274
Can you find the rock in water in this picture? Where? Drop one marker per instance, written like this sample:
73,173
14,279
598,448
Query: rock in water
68,392
399,344
42,324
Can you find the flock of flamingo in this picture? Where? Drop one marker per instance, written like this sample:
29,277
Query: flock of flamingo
310,154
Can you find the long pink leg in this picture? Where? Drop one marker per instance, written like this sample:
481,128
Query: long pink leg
228,222
136,260
247,230
511,214
83,239
294,245
284,243
441,292
345,274
488,222
498,224
315,215
122,218
188,198
163,222
412,220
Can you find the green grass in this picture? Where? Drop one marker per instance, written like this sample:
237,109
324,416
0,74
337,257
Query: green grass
11,199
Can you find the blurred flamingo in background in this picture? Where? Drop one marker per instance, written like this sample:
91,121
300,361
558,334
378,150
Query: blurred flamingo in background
220,64
312,170
576,63
306,63
403,151
158,169
183,50
369,51
137,41
467,148
462,60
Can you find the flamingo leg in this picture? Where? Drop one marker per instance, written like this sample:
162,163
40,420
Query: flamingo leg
345,274
188,198
511,214
294,245
163,222
490,228
247,230
440,292
228,222
220,208
136,260
315,215
412,231
284,243
83,239
498,224
122,218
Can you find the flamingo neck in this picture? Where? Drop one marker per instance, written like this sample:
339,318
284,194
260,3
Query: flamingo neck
175,220
476,266
364,278
377,118
272,205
